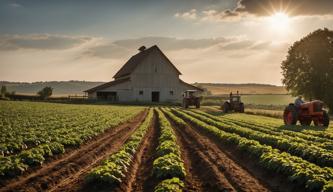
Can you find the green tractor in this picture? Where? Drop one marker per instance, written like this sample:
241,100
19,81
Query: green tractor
233,104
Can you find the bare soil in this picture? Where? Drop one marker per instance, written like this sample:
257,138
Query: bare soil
269,180
67,173
144,181
217,170
133,181
202,174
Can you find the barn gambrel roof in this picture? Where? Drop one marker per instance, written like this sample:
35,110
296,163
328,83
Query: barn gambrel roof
135,60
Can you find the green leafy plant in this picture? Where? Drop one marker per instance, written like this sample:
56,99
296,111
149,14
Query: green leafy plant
168,167
32,132
298,170
170,185
113,170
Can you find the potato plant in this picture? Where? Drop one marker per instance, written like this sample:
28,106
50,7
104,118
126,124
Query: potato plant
32,132
301,172
306,150
168,167
114,168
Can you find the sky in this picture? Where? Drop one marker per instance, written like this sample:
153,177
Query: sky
214,41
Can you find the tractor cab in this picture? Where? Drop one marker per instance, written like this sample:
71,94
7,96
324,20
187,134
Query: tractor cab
234,103
235,99
191,97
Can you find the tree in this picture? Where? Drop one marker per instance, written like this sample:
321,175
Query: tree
3,91
45,92
308,68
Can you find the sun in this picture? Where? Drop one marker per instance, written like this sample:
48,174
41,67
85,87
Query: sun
279,21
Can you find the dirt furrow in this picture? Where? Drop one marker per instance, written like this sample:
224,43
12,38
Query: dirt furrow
270,180
202,173
139,163
69,170
143,180
216,161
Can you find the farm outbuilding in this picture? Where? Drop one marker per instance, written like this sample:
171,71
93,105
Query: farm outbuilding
148,76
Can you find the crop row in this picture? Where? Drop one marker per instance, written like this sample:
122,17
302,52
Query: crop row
294,131
27,138
299,171
112,171
308,152
290,135
168,167
308,132
25,125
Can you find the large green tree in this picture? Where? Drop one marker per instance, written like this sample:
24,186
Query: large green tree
308,68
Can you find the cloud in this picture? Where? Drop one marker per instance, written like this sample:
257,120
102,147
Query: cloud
224,59
238,45
234,62
108,50
121,49
261,8
40,42
228,15
126,47
192,14
172,43
292,7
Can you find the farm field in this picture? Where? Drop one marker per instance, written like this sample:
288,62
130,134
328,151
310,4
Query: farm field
273,100
276,113
124,148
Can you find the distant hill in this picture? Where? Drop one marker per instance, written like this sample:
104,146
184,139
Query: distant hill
64,88
60,88
250,88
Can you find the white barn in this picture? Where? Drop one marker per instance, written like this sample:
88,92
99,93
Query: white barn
148,76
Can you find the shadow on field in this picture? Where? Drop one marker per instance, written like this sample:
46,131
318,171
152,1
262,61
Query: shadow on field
299,128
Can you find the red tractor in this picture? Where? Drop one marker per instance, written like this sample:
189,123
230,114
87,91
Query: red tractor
190,97
306,113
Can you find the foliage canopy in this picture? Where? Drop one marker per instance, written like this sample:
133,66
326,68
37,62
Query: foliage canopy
308,68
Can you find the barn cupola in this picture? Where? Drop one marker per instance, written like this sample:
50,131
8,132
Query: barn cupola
142,48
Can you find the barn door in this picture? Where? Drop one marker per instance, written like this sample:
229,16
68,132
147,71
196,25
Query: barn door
155,96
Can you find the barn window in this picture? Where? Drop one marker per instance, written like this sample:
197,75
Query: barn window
171,92
140,92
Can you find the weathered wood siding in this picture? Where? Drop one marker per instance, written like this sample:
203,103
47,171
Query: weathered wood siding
156,74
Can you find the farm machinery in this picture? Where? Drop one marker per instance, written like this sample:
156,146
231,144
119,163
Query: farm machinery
306,113
190,97
233,104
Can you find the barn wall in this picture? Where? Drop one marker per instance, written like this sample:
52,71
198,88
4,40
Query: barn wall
156,74
124,91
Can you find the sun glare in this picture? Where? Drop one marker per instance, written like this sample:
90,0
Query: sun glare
279,21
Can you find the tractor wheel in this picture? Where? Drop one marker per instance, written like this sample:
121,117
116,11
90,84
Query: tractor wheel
290,115
326,119
241,107
305,121
226,107
324,122
197,105
185,105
